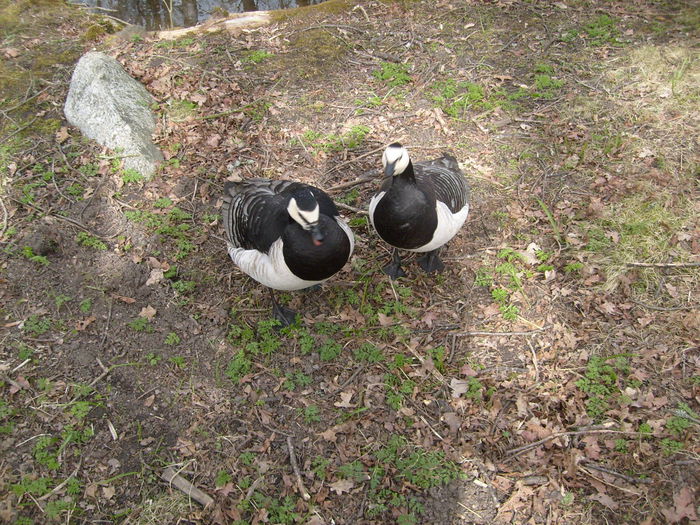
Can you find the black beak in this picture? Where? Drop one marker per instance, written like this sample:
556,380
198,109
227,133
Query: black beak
316,235
389,169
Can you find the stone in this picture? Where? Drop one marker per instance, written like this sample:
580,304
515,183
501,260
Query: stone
110,107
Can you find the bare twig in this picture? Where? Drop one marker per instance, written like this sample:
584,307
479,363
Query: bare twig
665,308
293,460
347,381
345,185
109,318
351,208
517,451
254,486
601,468
180,483
496,334
62,484
350,161
664,265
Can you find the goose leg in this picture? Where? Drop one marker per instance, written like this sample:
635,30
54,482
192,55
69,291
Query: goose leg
431,262
286,316
393,269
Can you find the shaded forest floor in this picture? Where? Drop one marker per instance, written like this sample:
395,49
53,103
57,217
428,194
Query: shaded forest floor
550,375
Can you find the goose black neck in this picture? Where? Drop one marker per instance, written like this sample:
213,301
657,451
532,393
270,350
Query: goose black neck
407,175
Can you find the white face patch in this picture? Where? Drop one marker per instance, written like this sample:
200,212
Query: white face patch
397,155
306,219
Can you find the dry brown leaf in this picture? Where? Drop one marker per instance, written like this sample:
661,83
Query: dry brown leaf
344,402
84,323
148,312
108,492
605,500
683,507
155,276
127,300
342,485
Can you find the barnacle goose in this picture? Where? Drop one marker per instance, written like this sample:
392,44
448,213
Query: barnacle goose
286,235
420,208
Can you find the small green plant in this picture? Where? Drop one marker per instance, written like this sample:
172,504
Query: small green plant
85,306
247,458
152,358
178,362
621,446
163,202
670,446
28,253
354,471
36,325
392,74
332,142
222,478
90,241
238,366
368,353
678,425
184,287
602,30
296,380
601,382
456,98
574,267
61,299
319,466
130,176
141,324
255,57
35,487
329,350
172,339
45,452
311,414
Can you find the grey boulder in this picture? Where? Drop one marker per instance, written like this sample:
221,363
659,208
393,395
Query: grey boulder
110,107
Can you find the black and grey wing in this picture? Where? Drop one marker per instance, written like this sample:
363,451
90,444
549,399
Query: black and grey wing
447,179
255,213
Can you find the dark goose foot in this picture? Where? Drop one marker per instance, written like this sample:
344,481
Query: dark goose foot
431,262
286,316
393,269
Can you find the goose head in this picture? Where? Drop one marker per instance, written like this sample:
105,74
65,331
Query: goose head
304,210
395,159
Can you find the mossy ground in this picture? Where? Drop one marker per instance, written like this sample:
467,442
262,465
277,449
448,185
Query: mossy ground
548,375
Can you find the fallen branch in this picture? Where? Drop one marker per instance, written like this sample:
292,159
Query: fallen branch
62,484
351,208
180,483
350,161
293,460
664,265
515,452
488,334
664,308
606,470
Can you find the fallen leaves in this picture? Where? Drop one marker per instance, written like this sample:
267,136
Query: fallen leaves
683,506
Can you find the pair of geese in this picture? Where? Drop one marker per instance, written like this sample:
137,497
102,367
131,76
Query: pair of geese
289,236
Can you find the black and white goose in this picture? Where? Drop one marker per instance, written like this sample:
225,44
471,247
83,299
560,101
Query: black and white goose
286,235
420,208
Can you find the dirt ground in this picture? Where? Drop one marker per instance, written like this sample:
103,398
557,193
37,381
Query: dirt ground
550,375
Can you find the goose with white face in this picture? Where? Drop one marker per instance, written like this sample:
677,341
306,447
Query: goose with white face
306,218
395,159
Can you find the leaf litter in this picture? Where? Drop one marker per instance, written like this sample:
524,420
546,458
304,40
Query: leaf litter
556,399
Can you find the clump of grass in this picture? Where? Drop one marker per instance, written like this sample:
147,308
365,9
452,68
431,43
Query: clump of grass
639,229
351,139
